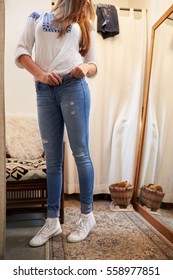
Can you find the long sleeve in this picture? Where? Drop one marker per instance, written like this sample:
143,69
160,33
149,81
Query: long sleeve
27,39
90,57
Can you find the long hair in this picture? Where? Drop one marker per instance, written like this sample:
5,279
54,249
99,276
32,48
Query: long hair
70,11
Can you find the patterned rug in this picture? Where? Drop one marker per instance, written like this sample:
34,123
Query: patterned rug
118,235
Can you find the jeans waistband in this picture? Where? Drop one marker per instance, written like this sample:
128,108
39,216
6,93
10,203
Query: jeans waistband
68,77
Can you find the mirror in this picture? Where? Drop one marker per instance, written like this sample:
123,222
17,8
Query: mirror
155,155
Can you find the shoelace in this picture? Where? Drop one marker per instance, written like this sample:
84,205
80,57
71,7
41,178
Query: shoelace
45,229
80,224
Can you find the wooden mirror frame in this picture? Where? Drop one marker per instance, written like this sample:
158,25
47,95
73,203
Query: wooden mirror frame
2,136
164,230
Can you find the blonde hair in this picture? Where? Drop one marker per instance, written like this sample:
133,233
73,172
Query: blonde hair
70,11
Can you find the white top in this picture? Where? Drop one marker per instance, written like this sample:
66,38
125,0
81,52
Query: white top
52,53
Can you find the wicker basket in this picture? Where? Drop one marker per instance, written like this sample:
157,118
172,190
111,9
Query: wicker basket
151,199
121,196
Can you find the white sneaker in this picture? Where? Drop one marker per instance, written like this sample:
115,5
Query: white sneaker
51,228
84,226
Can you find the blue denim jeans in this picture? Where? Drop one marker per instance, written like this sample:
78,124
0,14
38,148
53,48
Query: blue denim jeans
66,104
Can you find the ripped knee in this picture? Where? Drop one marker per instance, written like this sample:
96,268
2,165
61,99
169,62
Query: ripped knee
82,154
82,158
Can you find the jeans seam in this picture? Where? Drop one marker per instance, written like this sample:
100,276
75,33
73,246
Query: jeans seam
84,94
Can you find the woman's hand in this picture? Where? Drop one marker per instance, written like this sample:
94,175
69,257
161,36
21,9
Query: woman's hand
80,71
83,70
51,78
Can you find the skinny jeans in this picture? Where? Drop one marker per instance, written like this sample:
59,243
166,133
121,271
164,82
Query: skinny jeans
67,104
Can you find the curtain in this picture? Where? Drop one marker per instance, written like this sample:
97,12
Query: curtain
116,102
157,159
2,137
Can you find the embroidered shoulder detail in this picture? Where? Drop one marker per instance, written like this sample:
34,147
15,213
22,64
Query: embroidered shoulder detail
47,24
34,15
69,28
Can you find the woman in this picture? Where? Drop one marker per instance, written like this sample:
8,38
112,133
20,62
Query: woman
64,55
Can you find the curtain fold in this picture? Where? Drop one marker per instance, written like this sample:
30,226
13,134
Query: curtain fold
157,159
116,104
2,138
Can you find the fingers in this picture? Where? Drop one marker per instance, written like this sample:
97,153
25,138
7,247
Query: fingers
77,72
53,79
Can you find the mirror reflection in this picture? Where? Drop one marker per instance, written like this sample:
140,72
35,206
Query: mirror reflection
157,157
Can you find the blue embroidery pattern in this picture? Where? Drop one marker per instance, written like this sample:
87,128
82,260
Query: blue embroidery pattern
69,29
35,15
47,24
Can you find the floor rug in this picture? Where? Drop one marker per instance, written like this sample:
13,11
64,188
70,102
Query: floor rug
121,235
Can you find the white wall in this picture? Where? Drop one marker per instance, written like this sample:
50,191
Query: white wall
19,85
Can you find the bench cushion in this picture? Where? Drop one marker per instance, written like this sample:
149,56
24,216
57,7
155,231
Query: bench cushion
17,170
23,139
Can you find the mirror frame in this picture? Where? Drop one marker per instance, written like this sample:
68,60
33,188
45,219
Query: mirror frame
2,136
164,230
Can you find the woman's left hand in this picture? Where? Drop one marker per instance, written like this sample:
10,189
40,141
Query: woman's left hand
80,71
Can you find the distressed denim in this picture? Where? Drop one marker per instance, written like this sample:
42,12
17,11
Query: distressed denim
66,104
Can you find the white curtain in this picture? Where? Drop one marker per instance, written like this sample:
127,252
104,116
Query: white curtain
157,160
116,96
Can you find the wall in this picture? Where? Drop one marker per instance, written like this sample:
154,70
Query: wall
19,86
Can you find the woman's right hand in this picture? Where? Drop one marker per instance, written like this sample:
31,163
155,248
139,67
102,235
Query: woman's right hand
50,78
